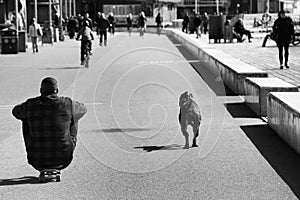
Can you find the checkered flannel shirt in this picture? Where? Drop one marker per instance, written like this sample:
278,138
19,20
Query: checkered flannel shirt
49,128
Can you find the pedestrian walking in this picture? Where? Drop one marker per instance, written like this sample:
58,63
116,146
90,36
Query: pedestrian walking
34,33
103,25
142,23
283,29
89,20
50,125
111,20
197,24
129,20
185,23
159,20
99,15
79,22
204,27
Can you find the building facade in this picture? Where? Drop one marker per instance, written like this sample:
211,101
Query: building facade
232,7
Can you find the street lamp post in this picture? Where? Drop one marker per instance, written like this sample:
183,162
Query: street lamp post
70,7
50,13
66,8
60,12
17,13
74,8
35,10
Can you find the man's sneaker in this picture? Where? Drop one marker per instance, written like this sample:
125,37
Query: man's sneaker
281,67
82,63
100,44
287,66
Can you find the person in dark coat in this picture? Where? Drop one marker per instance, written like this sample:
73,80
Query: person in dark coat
283,29
185,23
99,15
103,25
89,20
240,29
197,24
158,20
49,124
129,21
142,23
71,27
79,22
112,22
205,22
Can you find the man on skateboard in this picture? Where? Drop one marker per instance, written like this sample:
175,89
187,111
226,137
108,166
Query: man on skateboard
49,124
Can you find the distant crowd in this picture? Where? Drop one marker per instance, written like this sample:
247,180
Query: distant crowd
103,22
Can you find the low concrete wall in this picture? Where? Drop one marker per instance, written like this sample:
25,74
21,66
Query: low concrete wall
232,71
284,116
257,90
282,108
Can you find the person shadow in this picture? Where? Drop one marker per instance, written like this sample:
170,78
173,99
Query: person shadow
159,148
19,181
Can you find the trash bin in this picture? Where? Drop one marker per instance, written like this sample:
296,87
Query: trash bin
56,34
22,41
9,40
216,27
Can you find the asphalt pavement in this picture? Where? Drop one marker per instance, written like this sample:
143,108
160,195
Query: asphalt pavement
130,143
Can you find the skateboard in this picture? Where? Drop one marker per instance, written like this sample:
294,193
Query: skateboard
49,175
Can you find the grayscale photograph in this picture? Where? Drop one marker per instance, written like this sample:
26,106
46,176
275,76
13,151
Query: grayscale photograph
149,99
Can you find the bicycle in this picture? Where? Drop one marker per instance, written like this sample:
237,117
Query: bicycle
87,55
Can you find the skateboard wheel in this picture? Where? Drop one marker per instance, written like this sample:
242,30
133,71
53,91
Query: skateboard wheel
49,176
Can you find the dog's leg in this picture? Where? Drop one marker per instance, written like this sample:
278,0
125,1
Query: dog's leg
196,134
185,134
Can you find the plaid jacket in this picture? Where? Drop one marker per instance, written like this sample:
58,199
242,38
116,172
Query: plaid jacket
49,129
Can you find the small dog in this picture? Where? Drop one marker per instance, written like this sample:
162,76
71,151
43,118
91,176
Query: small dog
189,115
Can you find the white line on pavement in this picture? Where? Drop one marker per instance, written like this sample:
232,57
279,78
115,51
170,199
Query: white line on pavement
168,61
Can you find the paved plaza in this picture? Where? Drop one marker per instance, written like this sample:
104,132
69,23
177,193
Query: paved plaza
265,58
130,143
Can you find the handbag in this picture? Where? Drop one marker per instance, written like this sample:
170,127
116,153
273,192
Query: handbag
39,33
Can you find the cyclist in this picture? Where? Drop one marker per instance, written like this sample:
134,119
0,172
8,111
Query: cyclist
86,39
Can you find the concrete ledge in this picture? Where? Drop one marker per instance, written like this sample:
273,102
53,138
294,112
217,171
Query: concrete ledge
284,116
257,90
149,29
232,71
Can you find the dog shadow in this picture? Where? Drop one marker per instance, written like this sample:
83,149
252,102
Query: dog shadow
160,148
60,68
19,181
